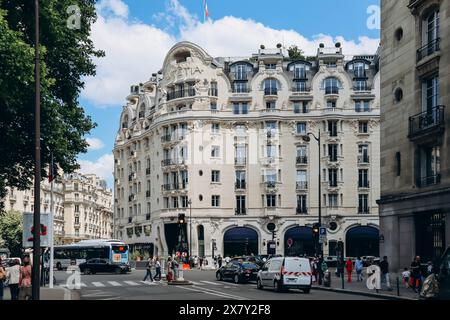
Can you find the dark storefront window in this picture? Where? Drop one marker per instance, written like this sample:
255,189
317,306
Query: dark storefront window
430,235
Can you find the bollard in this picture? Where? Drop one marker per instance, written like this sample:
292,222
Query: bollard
398,287
343,280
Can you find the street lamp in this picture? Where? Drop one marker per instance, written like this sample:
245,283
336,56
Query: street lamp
307,139
190,229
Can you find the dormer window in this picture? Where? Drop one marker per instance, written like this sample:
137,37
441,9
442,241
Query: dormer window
125,122
142,111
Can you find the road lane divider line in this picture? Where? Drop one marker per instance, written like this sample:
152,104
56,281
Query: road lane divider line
214,293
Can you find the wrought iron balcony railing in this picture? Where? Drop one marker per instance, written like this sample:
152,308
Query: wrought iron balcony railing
428,49
427,121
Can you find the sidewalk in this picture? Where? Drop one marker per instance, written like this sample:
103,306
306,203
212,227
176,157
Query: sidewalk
57,293
361,288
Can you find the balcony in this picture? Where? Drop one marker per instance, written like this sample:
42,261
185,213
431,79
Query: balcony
240,185
270,184
427,123
178,94
301,210
428,49
241,90
301,160
301,185
240,161
429,180
363,159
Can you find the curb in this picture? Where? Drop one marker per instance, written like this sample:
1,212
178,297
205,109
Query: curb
367,294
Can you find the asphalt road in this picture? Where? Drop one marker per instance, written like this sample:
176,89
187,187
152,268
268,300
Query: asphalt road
205,287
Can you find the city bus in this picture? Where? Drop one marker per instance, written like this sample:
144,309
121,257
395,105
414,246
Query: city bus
114,251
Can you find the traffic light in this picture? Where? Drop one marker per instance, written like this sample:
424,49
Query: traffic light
181,219
316,230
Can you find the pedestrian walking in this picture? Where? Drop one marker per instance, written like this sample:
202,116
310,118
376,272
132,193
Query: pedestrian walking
384,267
2,278
175,267
359,266
169,275
319,267
158,269
415,280
205,261
314,268
149,270
13,277
406,274
25,280
349,268
201,262
219,261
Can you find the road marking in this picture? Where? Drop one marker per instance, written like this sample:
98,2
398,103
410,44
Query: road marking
114,283
213,283
197,283
215,293
131,283
149,283
98,284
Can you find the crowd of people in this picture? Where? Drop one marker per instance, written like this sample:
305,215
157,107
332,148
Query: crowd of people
17,277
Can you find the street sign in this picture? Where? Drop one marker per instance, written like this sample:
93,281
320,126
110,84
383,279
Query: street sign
323,231
28,230
290,242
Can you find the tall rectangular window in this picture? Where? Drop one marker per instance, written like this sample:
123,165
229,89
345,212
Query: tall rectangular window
215,201
240,205
333,201
333,152
362,106
215,151
363,127
240,179
363,203
271,200
215,128
332,128
363,178
301,204
215,176
301,128
333,177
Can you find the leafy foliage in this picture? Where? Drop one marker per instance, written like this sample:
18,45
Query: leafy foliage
11,230
66,58
295,53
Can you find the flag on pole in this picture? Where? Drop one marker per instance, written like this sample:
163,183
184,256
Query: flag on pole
52,172
206,13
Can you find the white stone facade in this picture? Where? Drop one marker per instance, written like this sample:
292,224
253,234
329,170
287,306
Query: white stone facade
82,207
248,118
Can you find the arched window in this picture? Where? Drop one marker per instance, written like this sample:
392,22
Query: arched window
299,70
331,85
271,86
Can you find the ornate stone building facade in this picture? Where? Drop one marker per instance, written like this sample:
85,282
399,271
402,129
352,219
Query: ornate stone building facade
222,140
82,207
415,148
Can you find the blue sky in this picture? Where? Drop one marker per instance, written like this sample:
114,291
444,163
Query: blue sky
136,34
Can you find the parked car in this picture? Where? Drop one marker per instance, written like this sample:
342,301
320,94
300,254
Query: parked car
238,271
286,273
93,266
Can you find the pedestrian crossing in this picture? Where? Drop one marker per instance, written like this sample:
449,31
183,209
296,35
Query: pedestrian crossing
129,283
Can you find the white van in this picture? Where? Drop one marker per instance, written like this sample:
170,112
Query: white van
286,273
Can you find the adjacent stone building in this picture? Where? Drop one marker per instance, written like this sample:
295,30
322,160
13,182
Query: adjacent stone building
223,141
415,135
82,207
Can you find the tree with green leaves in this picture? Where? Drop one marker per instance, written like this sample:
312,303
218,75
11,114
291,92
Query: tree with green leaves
11,230
295,53
66,58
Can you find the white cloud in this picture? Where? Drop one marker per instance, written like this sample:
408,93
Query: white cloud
102,167
115,7
135,50
95,143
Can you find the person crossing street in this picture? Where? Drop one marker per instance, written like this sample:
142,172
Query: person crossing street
149,270
349,268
